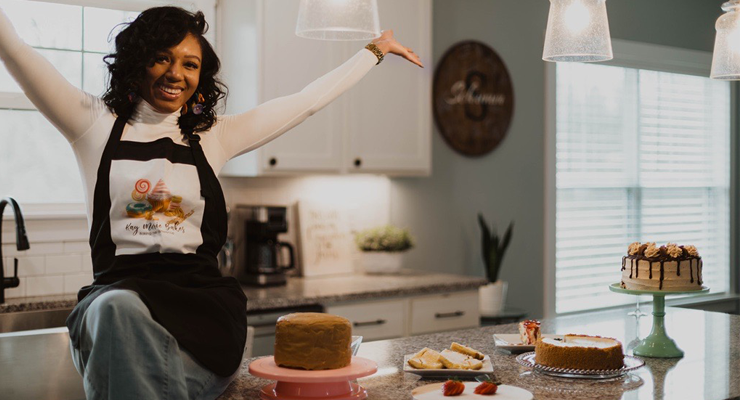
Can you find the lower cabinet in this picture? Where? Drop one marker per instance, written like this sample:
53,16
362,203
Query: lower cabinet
388,319
376,320
444,312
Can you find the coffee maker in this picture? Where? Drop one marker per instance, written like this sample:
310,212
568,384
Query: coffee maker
260,258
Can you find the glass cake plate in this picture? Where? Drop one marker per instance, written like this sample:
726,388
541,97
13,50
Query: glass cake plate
630,364
355,345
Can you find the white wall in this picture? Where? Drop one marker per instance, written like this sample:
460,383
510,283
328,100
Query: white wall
508,184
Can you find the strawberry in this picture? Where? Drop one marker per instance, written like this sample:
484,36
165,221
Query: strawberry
453,387
486,388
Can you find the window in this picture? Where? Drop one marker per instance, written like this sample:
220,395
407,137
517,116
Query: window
36,163
641,154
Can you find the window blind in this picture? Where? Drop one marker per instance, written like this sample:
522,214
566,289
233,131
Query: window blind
640,156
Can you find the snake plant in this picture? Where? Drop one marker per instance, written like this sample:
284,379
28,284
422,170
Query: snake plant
493,248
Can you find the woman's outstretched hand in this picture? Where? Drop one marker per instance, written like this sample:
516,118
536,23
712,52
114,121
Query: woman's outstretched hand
388,44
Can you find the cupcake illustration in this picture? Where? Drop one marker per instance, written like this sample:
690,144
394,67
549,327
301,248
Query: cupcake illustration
160,197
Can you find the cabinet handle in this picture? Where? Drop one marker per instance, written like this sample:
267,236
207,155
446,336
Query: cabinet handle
450,314
369,323
273,161
358,162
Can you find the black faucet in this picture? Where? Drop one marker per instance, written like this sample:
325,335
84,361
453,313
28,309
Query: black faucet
21,243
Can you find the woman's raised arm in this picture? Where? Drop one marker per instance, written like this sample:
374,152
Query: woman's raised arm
71,110
245,132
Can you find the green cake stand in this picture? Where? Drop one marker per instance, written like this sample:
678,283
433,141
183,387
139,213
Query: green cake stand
657,344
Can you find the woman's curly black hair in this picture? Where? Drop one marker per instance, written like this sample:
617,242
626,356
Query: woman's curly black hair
154,30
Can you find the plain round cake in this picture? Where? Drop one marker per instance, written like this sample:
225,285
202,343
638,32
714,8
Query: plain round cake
670,268
580,352
313,341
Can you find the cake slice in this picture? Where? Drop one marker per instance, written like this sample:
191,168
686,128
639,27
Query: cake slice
529,331
454,360
467,350
426,359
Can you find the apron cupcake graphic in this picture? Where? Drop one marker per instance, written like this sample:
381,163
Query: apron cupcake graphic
159,197
149,201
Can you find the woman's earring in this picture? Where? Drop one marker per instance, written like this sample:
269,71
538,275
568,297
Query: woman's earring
198,107
132,97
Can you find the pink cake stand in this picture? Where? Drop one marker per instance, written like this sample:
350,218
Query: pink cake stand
296,384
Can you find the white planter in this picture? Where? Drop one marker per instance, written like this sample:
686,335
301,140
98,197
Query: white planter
492,298
382,262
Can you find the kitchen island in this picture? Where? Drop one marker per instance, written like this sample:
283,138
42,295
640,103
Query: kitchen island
709,370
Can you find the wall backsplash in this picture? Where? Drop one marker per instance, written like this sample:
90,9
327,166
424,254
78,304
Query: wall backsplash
366,197
58,261
49,268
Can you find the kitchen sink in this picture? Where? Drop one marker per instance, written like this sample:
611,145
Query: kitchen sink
29,320
35,359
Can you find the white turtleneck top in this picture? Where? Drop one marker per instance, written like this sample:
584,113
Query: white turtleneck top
86,122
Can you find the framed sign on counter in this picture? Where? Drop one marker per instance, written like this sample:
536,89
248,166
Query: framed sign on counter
325,239
473,98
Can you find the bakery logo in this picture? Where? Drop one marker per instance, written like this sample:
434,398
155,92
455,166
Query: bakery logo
158,206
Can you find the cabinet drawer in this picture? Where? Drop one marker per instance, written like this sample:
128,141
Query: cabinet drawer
444,312
374,321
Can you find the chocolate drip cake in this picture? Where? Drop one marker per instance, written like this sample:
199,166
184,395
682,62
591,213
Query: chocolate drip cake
670,267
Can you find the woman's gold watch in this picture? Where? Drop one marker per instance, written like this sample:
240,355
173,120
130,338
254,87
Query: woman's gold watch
378,53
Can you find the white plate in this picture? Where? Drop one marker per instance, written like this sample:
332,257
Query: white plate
444,372
504,392
513,342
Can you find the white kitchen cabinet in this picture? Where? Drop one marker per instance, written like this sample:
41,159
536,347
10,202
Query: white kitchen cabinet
416,315
391,122
374,320
444,312
382,125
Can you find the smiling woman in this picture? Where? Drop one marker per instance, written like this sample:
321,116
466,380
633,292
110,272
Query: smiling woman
160,321
178,65
173,76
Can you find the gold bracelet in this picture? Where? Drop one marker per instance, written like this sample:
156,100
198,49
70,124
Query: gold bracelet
378,53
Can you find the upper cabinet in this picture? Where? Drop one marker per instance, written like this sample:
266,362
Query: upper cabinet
390,110
381,125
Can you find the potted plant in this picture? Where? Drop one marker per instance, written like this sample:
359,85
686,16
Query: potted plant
493,295
383,248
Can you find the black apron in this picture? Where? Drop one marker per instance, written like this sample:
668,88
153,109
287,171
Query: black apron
164,245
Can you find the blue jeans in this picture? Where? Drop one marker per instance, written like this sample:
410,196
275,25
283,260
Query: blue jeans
125,354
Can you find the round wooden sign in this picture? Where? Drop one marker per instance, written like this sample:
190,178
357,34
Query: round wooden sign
473,98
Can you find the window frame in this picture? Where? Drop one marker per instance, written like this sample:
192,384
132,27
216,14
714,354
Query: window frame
628,54
55,212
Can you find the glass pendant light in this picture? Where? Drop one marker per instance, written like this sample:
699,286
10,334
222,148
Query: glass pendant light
577,30
338,19
726,59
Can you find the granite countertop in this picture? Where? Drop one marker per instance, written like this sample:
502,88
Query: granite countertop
304,291
709,370
327,290
38,303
